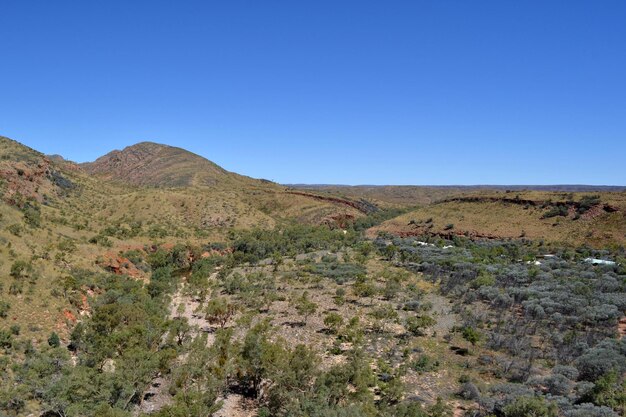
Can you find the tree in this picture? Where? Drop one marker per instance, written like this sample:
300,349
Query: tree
363,287
69,284
219,311
304,306
180,330
609,391
258,356
136,369
392,287
161,281
297,368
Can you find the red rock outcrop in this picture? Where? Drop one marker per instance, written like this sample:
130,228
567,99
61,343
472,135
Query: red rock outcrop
119,265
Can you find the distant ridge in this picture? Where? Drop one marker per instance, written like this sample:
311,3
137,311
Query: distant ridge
555,187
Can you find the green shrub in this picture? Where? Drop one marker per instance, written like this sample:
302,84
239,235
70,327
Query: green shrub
6,340
608,391
424,364
4,309
560,210
483,280
471,335
304,306
32,215
340,296
53,340
21,269
66,245
101,240
417,324
15,229
530,407
16,287
587,202
333,321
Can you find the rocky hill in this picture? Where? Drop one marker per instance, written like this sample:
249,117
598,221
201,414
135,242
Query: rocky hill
153,164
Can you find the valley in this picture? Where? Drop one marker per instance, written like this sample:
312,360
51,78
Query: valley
153,282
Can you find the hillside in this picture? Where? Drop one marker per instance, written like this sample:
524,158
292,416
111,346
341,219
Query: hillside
57,217
202,197
596,219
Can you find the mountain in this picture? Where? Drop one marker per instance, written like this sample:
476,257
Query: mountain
157,165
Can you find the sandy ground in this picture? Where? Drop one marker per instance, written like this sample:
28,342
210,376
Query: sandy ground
235,406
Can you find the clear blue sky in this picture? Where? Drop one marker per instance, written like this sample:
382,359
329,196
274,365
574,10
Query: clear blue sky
353,92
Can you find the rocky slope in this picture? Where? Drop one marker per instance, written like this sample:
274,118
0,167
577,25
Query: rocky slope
28,175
